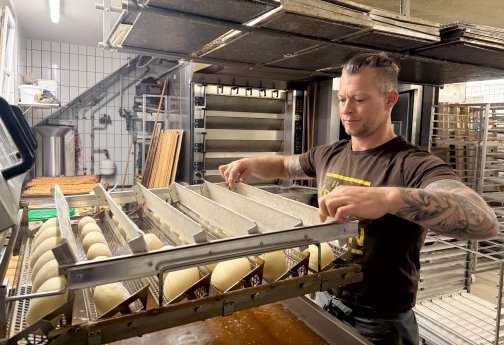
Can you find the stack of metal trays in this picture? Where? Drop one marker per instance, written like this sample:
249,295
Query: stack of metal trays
355,26
462,42
392,31
198,34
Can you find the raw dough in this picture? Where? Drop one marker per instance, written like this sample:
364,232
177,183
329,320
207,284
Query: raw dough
90,228
47,244
98,249
275,264
98,258
47,256
152,241
177,282
85,220
121,231
47,223
40,307
41,231
48,270
327,255
92,238
108,296
115,220
227,273
51,231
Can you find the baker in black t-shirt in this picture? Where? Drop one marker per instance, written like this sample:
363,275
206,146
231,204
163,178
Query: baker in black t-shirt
396,189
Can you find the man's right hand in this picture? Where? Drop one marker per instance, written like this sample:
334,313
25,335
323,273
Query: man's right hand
266,168
240,168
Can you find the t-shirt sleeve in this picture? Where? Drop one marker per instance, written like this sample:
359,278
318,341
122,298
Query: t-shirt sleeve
422,168
315,159
307,162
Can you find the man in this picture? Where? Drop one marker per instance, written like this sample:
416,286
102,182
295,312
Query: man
396,190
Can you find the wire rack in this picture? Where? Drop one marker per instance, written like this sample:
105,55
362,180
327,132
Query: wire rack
117,247
453,307
21,286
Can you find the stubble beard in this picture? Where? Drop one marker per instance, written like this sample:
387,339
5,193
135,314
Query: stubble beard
361,131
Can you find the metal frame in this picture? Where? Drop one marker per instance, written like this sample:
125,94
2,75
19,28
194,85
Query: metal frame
471,136
137,264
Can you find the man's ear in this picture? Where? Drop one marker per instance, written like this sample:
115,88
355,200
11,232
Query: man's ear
393,96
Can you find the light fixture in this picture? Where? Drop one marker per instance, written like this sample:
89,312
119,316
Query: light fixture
54,10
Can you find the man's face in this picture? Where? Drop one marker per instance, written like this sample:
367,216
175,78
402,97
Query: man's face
364,109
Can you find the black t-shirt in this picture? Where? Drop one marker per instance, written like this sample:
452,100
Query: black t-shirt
388,248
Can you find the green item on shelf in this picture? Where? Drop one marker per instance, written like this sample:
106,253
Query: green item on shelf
42,214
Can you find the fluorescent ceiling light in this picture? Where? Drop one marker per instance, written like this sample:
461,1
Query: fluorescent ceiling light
54,10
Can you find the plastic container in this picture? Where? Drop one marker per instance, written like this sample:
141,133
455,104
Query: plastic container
51,85
27,93
46,213
107,167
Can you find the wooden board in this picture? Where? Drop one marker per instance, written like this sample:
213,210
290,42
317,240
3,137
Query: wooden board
164,160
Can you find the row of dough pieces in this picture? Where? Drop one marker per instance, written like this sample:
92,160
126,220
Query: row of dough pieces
225,274
45,268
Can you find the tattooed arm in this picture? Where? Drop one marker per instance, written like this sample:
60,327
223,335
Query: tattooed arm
446,207
267,167
449,207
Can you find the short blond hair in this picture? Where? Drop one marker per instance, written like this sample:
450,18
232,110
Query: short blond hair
387,70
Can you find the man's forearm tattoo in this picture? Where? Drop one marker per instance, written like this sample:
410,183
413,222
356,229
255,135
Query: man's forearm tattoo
457,214
294,168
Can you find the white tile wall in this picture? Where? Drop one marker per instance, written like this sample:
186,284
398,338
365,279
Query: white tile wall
490,91
76,68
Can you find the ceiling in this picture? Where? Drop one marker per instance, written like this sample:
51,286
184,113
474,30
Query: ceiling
81,22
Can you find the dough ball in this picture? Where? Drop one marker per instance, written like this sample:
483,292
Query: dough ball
156,217
177,282
227,273
152,241
48,223
275,264
91,227
98,249
49,270
85,220
42,260
40,307
42,231
98,258
108,296
121,231
47,244
51,231
92,238
327,255
115,220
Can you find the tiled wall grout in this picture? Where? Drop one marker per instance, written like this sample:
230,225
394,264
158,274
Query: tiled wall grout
76,68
